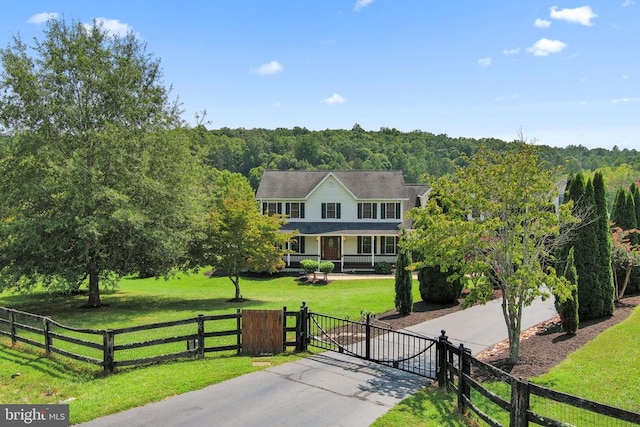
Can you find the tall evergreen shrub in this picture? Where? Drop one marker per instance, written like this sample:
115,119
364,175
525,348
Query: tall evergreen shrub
404,278
602,266
568,308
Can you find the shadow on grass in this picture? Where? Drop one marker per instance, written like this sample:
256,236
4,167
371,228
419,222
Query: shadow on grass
33,359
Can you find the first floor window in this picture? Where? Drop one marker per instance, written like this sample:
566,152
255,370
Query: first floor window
297,245
365,244
388,244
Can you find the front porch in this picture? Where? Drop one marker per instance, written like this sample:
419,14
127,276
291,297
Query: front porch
347,263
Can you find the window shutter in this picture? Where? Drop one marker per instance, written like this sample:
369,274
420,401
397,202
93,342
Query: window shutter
359,244
359,210
338,210
279,208
301,210
301,240
324,210
383,210
264,208
287,208
375,244
375,213
398,211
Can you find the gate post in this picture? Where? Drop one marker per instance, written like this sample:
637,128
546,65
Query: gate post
441,362
464,368
302,327
367,350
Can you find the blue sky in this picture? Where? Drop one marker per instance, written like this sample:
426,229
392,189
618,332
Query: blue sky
564,72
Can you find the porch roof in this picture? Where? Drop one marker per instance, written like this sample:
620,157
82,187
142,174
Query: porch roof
344,228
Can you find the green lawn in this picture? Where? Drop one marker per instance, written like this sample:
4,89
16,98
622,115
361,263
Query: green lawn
143,301
605,370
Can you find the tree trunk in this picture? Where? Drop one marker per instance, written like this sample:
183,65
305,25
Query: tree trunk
236,282
94,290
627,277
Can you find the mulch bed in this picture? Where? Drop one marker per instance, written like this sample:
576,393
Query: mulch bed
541,347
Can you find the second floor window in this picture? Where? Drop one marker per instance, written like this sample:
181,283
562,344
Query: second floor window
294,210
367,210
271,208
390,210
331,210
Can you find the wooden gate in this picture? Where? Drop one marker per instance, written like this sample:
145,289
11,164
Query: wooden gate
262,332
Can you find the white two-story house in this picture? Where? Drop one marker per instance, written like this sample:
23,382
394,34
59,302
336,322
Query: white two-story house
351,218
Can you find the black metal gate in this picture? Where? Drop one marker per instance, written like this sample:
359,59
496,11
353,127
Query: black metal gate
408,352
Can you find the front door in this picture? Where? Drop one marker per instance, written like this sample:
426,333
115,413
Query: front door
331,247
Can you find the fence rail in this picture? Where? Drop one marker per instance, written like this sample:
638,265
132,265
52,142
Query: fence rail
479,385
135,345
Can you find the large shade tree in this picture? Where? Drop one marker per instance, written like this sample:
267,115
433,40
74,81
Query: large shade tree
97,179
499,228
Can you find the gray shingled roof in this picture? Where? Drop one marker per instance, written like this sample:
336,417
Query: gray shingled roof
363,184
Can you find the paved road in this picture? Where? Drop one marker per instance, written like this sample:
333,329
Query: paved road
328,389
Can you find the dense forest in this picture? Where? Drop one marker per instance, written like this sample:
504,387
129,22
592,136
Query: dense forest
250,151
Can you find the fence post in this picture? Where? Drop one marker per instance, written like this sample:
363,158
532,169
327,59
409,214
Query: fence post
46,328
12,327
284,328
107,347
441,363
200,353
303,319
464,368
519,403
239,329
367,350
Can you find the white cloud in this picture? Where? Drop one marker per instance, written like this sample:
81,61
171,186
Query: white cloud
484,62
511,97
625,100
42,17
580,15
361,4
272,67
627,3
542,23
112,26
544,47
335,99
514,51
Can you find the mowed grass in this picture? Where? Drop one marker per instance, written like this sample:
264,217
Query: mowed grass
90,394
605,370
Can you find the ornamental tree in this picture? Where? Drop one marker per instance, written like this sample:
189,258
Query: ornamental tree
496,223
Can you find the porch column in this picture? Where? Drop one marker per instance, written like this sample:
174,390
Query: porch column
373,250
342,239
319,252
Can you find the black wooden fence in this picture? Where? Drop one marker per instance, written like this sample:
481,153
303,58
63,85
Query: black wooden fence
480,386
112,348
